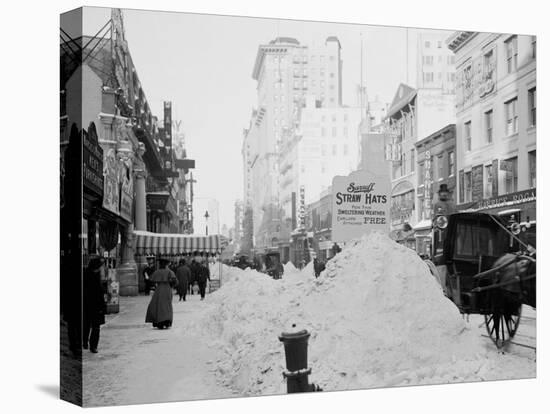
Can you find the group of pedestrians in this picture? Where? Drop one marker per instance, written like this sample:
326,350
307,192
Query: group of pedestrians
185,278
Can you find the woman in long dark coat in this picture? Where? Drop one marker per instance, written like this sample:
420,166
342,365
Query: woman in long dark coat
183,274
159,311
93,304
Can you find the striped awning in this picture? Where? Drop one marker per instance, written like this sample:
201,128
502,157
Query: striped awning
147,243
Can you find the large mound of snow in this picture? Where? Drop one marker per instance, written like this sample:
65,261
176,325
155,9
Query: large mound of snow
377,318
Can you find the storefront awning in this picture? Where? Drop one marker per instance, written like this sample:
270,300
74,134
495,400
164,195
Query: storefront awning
175,244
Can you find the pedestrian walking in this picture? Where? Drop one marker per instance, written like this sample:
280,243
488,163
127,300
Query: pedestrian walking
159,311
203,277
183,274
93,303
195,268
316,268
147,273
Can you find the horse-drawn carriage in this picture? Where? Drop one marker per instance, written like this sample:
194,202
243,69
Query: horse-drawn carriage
486,266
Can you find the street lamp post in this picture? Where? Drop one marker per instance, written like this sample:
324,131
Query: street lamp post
206,215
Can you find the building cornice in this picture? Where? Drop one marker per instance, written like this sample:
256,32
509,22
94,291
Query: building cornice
458,39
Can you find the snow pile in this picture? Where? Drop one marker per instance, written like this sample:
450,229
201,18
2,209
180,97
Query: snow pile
289,267
215,270
377,318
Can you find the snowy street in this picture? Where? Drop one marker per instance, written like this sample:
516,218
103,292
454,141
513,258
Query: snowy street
138,364
227,345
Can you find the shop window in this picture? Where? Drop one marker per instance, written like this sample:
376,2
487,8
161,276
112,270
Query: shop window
511,180
488,187
468,186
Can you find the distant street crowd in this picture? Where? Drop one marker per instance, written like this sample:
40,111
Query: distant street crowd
188,276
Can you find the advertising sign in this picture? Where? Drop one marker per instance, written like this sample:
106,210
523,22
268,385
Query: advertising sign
302,211
92,163
360,204
111,188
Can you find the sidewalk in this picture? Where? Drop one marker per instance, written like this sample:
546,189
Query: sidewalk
138,364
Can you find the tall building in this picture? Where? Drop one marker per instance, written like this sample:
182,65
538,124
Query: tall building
326,144
286,72
496,121
435,63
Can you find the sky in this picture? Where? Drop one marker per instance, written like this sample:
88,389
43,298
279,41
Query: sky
203,64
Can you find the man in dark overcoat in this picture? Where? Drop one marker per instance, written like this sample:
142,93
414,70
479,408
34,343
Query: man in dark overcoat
183,274
93,303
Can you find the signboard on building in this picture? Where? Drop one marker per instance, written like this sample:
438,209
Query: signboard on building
505,200
302,209
168,126
126,193
111,186
92,163
477,183
427,185
360,205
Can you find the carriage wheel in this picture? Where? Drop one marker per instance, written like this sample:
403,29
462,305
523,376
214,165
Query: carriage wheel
502,326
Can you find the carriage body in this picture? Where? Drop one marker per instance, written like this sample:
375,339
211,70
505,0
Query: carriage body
484,269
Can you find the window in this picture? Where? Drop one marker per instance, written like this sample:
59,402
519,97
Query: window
428,77
304,84
450,60
334,131
488,187
323,132
488,65
511,116
468,186
331,86
304,59
334,150
534,47
345,149
323,150
451,164
427,44
322,72
333,118
532,106
489,126
532,155
345,131
331,57
323,168
322,84
428,60
440,172
439,43
296,84
412,160
511,175
468,135
283,98
331,75
439,59
450,77
512,54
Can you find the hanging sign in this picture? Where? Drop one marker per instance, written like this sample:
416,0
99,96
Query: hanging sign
360,204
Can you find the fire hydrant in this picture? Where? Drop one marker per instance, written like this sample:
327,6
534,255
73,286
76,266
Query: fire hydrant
297,371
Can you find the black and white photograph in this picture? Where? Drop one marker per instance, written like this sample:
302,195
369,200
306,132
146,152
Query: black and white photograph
268,206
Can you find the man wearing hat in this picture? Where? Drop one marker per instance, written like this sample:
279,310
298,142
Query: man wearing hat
444,206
